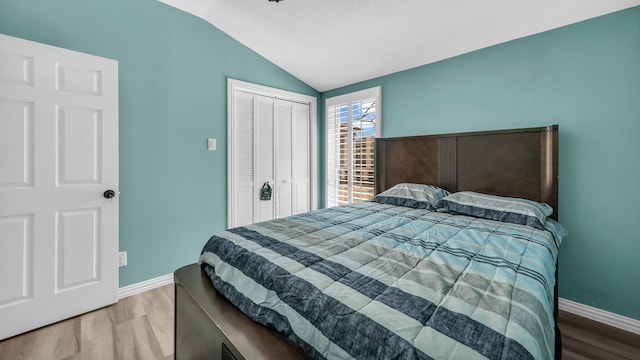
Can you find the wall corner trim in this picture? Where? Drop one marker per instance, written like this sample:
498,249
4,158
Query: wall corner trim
143,286
602,316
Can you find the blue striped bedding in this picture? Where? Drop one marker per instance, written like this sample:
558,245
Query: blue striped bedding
378,281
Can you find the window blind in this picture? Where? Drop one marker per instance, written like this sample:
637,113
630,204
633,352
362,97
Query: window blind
352,122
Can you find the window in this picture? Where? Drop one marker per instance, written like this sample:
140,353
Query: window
353,121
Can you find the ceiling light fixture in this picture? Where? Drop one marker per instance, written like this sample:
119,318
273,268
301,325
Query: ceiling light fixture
277,1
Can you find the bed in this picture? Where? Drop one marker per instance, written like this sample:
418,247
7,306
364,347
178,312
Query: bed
414,277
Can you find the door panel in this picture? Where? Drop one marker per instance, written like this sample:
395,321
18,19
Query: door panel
244,196
241,196
16,143
16,244
79,133
301,197
77,258
284,161
265,154
284,199
15,68
300,154
71,78
58,154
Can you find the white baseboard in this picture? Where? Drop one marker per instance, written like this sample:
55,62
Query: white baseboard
143,286
605,317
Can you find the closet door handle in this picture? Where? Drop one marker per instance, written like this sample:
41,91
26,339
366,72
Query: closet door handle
109,194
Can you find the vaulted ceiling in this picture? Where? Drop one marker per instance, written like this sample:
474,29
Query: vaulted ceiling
332,43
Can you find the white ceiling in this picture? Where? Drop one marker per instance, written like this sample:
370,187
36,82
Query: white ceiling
332,43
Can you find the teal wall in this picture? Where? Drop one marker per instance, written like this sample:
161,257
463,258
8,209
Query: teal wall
584,77
173,69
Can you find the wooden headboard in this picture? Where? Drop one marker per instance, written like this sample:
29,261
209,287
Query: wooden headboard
518,163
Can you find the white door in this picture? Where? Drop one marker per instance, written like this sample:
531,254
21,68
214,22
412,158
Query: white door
300,154
271,136
58,156
284,159
253,157
241,160
265,159
292,160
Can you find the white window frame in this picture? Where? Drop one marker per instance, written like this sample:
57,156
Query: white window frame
350,98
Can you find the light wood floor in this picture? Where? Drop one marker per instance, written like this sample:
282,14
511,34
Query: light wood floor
586,339
140,327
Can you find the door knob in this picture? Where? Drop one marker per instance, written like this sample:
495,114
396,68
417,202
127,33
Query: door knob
109,194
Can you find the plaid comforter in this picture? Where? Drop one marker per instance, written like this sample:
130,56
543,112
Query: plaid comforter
375,281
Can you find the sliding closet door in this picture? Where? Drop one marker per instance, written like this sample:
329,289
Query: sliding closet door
300,151
292,158
284,159
270,143
242,156
265,159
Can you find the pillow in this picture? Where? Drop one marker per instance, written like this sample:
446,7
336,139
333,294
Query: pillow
500,208
559,232
417,196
